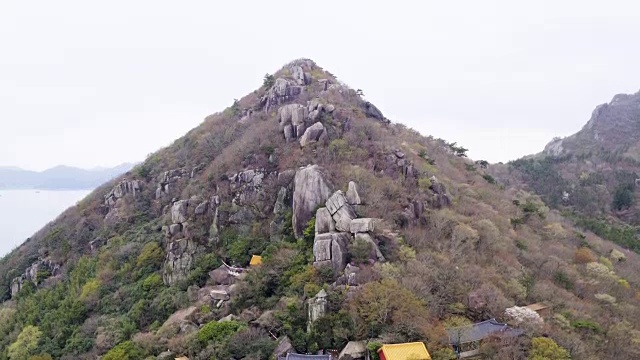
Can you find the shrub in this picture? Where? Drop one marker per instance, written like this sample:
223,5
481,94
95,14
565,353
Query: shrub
600,270
424,183
127,350
606,298
25,344
268,81
218,332
606,262
624,284
90,291
373,348
360,251
489,179
543,348
561,279
152,282
584,256
623,197
617,255
251,343
587,325
151,257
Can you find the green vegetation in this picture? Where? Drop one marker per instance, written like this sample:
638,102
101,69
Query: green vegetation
623,197
546,349
144,276
268,81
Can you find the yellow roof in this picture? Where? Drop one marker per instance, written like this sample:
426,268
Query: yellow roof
255,260
408,351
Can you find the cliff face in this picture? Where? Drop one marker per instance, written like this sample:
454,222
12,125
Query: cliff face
302,213
614,127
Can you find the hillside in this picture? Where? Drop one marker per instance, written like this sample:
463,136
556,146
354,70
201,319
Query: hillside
366,229
59,177
591,175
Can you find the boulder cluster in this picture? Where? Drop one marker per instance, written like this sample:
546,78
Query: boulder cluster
36,273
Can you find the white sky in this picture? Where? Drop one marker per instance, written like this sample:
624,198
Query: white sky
89,83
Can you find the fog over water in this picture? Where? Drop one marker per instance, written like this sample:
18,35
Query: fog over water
23,212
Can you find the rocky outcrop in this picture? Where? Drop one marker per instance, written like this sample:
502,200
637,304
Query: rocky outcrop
324,221
340,210
362,225
292,119
302,122
179,260
179,211
123,188
283,348
331,249
299,75
202,208
440,198
282,91
166,179
222,276
310,189
372,111
247,186
36,273
396,163
313,134
317,308
353,198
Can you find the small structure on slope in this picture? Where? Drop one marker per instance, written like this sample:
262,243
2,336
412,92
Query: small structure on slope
407,351
466,340
543,309
355,350
255,260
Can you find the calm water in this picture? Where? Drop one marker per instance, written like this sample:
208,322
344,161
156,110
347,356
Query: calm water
23,212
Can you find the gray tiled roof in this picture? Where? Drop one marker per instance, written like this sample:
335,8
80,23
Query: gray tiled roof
479,331
308,357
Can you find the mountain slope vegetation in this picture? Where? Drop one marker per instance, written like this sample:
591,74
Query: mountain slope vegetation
591,175
366,229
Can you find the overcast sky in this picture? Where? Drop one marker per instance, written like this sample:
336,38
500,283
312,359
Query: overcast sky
89,83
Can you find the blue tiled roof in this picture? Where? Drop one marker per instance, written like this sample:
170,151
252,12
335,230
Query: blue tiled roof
479,331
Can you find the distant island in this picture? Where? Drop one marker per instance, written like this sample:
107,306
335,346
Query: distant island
59,177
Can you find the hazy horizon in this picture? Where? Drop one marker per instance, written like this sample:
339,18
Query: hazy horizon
24,212
88,84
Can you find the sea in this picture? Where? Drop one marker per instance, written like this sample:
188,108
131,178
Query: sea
23,212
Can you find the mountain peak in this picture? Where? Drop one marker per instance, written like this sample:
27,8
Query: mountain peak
613,127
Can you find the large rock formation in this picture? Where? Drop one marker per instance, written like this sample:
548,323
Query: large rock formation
292,119
179,260
324,221
282,91
179,211
35,273
353,198
331,249
313,134
123,188
341,211
310,189
317,308
166,179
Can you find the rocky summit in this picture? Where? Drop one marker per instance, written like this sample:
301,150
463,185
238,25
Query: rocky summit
300,220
